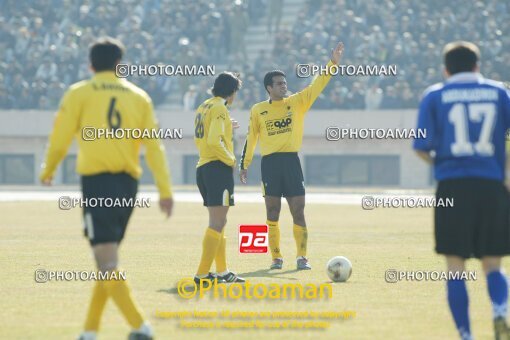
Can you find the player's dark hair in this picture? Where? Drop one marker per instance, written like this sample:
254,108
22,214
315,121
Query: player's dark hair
268,78
226,84
105,53
460,56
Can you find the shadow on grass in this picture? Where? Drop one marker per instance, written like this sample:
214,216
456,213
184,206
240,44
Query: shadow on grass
168,291
275,274
258,273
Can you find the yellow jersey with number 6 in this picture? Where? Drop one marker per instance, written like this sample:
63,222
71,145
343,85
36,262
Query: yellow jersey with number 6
213,132
106,102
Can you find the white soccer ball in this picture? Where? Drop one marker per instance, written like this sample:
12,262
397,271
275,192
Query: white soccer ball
339,269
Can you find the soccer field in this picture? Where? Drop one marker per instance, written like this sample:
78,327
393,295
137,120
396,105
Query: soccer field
157,253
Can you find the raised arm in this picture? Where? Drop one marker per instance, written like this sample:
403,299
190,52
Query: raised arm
307,97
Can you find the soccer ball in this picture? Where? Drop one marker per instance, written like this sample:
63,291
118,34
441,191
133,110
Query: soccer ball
339,269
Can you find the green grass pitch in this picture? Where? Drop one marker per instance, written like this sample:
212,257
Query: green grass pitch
156,253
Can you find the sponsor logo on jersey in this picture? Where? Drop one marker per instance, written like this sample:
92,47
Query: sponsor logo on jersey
278,126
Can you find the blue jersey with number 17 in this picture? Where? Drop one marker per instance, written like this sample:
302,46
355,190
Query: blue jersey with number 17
465,121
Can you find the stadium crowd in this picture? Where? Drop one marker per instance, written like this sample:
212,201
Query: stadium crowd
40,57
410,34
44,43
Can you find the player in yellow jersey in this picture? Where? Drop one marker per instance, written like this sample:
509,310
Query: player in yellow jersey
279,124
215,177
109,168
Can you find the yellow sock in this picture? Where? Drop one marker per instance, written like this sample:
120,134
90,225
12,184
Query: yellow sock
274,239
120,292
96,307
209,248
221,256
301,237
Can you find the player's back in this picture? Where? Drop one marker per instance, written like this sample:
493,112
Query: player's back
466,119
211,109
108,110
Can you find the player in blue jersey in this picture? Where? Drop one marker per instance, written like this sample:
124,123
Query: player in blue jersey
466,119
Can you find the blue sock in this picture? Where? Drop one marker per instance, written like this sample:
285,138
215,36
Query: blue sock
459,303
498,291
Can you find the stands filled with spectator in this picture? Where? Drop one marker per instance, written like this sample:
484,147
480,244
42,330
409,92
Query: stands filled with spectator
44,45
409,34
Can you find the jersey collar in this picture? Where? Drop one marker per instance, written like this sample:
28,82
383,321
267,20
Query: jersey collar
220,99
277,102
465,77
105,75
